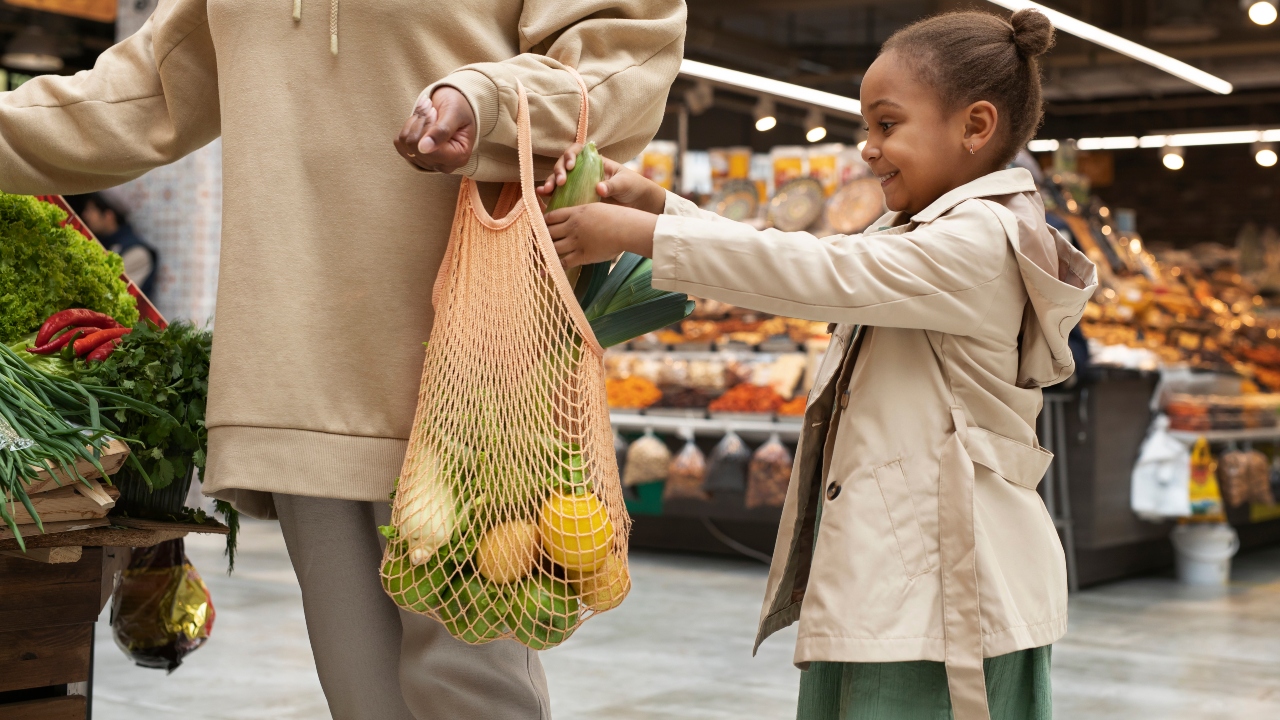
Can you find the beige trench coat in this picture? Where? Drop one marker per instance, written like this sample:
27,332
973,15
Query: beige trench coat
934,543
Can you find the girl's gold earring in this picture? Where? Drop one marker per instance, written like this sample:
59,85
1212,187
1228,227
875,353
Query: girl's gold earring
971,150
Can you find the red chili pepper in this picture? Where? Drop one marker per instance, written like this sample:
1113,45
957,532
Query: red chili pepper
60,341
75,316
102,351
86,344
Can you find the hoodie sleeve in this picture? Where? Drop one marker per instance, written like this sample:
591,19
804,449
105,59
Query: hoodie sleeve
147,102
628,53
940,276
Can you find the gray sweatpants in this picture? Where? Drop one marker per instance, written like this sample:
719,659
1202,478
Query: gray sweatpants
377,662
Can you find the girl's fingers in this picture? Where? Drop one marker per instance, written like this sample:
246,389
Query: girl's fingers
556,217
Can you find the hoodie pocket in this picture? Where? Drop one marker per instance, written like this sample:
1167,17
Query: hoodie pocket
902,515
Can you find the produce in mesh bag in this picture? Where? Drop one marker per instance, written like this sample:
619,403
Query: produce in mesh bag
508,519
618,298
647,460
769,474
727,467
161,610
687,473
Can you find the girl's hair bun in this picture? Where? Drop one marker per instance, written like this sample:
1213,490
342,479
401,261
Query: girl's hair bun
1032,33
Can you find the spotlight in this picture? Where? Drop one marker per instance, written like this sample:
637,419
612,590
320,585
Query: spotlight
1261,12
1265,153
764,114
814,126
1172,158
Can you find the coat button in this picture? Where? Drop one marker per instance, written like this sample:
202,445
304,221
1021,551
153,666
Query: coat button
833,491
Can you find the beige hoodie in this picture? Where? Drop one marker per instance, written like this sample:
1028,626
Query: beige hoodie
330,240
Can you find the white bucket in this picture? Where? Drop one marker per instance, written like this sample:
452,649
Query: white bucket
1204,553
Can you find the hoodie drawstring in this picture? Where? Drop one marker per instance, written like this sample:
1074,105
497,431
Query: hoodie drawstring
333,22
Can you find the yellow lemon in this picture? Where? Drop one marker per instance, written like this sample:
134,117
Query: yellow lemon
508,551
576,531
605,588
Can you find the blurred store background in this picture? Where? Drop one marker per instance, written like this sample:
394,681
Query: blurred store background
1157,157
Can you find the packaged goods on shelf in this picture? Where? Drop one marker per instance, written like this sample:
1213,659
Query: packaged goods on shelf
768,474
727,466
686,474
647,460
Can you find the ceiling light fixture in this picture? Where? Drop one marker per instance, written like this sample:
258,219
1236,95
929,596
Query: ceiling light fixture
32,50
765,115
758,85
1264,153
1085,31
1172,158
700,97
1261,12
815,126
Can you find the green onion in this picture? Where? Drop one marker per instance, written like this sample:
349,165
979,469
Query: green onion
63,423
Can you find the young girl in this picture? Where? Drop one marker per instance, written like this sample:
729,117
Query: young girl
918,459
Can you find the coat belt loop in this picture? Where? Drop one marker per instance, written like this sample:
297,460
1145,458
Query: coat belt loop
962,617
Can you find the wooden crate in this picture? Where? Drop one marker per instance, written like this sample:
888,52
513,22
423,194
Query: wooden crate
47,612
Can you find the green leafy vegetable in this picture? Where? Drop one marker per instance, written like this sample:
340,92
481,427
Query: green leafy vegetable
168,369
45,267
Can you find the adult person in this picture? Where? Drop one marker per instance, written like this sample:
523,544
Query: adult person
110,223
331,242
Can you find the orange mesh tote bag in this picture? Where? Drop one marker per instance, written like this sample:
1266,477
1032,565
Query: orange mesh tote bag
508,519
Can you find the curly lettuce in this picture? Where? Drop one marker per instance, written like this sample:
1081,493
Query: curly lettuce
45,267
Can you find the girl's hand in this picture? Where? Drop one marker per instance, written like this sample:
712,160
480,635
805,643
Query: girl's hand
599,232
620,186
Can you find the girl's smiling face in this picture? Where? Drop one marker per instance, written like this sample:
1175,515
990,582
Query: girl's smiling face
916,147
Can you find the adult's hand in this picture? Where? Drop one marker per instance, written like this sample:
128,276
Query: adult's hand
441,133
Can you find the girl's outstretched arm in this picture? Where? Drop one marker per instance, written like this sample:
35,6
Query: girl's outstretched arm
938,276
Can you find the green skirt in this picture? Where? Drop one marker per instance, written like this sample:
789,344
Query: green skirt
1018,687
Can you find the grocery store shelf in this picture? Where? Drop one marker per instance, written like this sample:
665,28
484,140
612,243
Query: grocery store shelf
786,429
1225,436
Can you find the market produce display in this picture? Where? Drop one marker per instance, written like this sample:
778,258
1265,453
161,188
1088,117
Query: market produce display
79,374
46,268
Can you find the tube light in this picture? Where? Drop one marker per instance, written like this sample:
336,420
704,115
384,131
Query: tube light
1107,143
756,85
1186,139
1097,35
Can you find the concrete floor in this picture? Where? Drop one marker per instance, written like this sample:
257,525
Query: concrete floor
680,649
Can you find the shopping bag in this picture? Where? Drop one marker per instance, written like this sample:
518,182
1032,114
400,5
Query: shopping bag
508,519
161,611
1160,484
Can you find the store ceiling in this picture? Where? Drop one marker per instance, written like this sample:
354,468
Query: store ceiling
828,44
